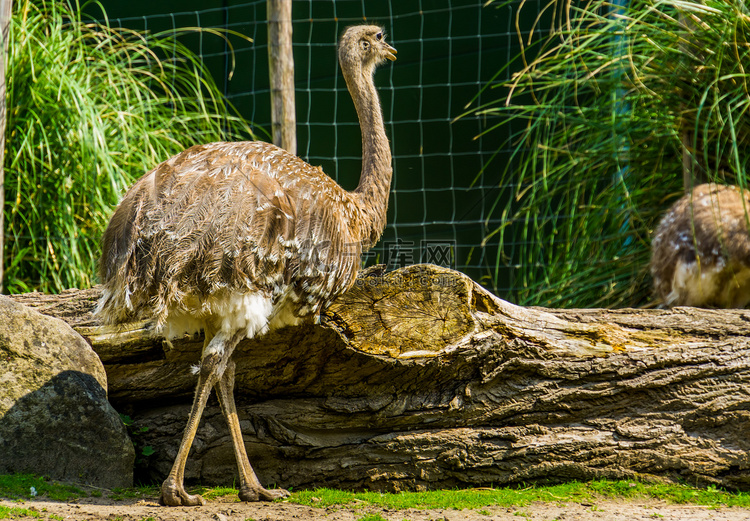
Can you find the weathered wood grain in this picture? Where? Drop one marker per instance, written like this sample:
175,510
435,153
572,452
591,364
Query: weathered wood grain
421,379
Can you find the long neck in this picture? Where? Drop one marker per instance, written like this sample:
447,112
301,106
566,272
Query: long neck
375,181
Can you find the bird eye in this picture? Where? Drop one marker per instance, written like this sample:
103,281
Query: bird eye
379,36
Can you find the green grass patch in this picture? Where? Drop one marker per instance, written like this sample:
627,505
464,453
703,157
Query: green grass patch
671,493
19,486
514,497
13,512
134,492
372,517
212,493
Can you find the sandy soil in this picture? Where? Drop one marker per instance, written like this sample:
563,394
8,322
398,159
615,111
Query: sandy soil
228,509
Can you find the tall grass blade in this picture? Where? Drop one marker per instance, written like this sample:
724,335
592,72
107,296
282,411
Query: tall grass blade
606,99
90,109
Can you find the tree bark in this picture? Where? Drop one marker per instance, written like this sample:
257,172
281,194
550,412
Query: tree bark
419,379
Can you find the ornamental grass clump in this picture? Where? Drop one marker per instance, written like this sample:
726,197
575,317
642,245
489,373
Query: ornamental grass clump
612,114
90,108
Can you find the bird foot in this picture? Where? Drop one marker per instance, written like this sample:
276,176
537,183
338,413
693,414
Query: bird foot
248,493
173,495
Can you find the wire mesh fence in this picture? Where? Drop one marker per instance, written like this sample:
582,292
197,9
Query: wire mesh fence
446,173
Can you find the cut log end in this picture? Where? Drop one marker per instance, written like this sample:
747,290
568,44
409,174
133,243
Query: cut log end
417,311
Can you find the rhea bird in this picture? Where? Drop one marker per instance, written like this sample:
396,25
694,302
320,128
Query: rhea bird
236,239
701,249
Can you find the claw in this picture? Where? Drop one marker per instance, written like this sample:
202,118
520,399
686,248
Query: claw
248,493
174,495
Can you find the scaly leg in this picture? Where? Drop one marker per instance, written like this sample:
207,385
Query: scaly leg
250,487
217,352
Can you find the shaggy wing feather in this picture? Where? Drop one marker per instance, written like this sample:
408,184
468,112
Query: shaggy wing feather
247,217
708,226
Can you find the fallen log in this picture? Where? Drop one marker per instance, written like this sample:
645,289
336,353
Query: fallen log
419,379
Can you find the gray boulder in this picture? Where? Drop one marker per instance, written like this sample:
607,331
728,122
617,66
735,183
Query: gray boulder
55,419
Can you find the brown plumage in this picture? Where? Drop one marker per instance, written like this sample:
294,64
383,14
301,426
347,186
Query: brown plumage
701,249
238,238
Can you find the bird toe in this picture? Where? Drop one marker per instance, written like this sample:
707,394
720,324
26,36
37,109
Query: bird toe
249,494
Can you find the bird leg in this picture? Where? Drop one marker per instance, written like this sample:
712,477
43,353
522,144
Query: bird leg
217,352
250,487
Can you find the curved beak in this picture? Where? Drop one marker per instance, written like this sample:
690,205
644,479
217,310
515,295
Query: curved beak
390,52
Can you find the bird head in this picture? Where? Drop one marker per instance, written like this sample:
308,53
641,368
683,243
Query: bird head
363,46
